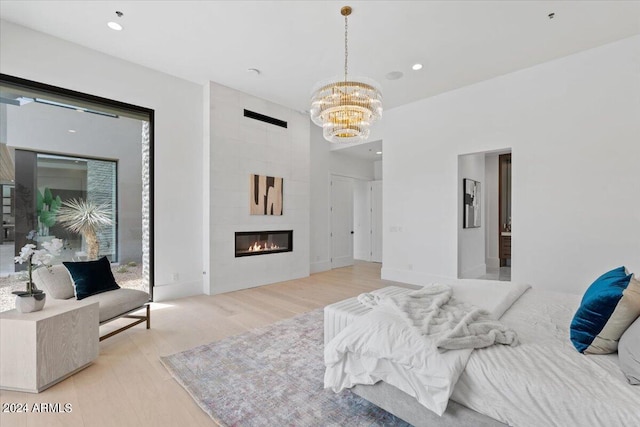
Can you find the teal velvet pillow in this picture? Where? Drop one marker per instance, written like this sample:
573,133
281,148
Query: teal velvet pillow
91,277
606,310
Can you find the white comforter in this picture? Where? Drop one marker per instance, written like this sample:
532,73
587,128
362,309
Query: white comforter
544,381
381,345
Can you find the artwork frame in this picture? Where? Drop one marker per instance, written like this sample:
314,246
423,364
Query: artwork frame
471,203
266,195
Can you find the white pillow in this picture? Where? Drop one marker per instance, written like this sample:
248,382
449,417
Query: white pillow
629,353
54,281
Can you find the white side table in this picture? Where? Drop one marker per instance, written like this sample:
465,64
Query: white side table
38,350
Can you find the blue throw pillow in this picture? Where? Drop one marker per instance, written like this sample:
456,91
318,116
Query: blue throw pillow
606,311
91,277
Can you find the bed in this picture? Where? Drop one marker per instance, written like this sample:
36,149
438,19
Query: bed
542,381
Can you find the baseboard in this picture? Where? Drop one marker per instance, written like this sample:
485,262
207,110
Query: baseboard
413,277
318,267
221,288
475,272
493,262
177,290
421,279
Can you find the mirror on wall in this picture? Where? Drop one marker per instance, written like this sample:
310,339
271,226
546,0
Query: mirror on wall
62,149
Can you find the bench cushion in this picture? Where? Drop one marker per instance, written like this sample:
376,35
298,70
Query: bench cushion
115,303
55,282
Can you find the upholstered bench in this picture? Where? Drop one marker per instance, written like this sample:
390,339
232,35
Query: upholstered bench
57,283
339,315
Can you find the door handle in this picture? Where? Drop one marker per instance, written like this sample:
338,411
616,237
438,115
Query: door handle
352,232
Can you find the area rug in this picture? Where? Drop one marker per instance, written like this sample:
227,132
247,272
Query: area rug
272,376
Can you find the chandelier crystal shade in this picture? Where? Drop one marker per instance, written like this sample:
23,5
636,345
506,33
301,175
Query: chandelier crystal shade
346,107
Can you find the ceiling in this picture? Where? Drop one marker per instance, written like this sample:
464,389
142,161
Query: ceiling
295,44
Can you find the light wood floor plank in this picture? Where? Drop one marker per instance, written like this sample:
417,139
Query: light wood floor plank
128,386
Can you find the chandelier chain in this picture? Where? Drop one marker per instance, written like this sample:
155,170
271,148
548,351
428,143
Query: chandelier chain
346,47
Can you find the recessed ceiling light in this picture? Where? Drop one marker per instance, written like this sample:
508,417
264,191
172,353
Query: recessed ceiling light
416,67
394,75
378,152
114,26
72,131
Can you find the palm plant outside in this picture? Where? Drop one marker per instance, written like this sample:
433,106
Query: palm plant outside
86,218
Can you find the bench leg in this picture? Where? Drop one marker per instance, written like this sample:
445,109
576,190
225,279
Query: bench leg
139,319
148,316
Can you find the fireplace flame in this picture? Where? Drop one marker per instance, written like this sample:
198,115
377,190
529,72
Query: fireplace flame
258,246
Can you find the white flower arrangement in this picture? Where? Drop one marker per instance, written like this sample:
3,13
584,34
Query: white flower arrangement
36,258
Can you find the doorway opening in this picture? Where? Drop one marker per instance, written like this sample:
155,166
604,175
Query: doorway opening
355,220
341,221
504,215
484,245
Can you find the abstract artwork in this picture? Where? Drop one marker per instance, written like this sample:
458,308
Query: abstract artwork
472,208
266,195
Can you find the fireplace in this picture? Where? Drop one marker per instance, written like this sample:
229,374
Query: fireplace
250,243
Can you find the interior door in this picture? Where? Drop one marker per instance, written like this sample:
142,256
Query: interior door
376,221
361,220
341,221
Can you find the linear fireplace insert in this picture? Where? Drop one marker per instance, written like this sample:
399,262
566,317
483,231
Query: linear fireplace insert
249,243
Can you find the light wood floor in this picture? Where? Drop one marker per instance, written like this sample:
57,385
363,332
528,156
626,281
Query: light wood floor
128,386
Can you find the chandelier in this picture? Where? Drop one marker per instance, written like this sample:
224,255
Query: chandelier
346,108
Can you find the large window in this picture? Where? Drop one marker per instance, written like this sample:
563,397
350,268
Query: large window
58,147
57,181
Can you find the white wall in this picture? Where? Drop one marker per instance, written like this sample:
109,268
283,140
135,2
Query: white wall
573,126
323,163
377,170
319,215
342,164
471,241
240,147
178,138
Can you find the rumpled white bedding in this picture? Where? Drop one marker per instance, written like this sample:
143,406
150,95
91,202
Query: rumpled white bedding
449,323
544,381
381,345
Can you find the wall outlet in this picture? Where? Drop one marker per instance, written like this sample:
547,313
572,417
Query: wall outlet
175,277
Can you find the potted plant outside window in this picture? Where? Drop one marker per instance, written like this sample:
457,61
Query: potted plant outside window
47,208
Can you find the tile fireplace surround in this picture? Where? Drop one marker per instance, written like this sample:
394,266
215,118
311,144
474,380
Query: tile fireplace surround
251,243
